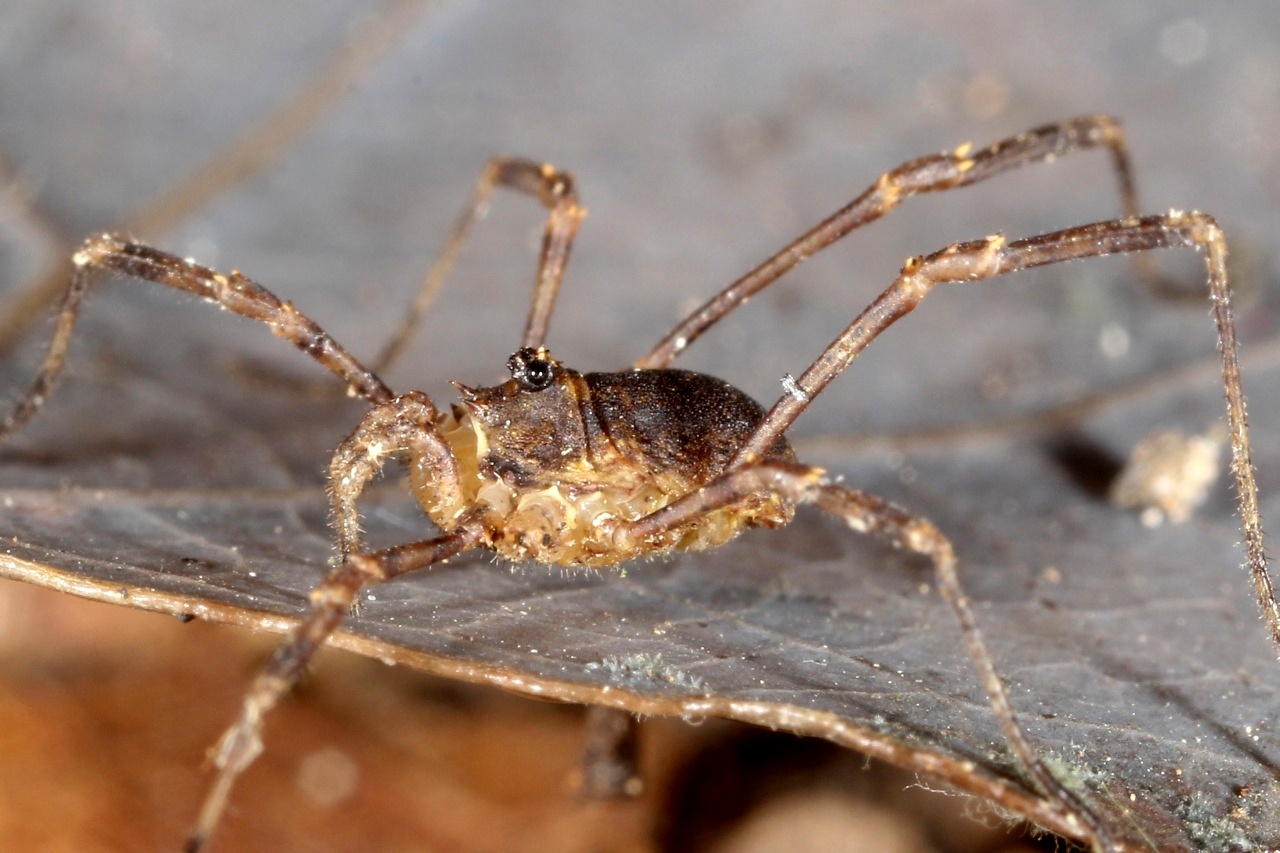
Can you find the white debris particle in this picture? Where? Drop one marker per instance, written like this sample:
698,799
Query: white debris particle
1168,474
790,386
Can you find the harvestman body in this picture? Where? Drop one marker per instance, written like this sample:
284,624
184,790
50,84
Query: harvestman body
594,469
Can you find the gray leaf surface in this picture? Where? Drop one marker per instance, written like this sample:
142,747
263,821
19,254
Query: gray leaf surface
703,138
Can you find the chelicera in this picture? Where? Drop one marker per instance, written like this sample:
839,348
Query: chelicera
593,469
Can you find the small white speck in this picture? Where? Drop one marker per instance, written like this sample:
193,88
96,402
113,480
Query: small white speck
791,387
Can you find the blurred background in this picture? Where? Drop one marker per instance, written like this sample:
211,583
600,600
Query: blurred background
344,138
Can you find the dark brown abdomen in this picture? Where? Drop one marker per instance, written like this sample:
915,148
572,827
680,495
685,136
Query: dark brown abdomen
676,419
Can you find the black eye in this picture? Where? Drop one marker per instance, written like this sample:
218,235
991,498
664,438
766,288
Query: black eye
537,375
531,369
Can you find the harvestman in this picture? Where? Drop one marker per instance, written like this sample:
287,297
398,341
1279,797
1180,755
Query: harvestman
561,467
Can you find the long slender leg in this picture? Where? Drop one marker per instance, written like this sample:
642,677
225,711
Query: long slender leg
403,425
556,191
975,261
241,744
983,259
108,254
945,171
868,514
